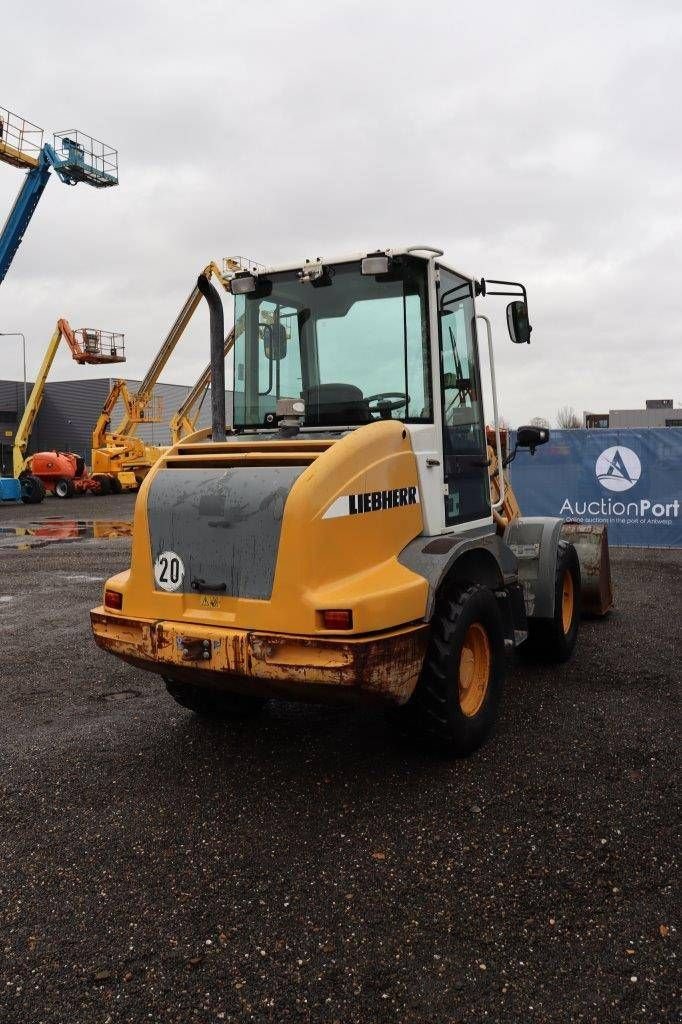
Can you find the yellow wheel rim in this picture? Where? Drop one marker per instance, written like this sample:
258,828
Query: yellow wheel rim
567,601
474,669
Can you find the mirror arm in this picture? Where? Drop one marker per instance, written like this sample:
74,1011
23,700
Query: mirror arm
485,290
510,457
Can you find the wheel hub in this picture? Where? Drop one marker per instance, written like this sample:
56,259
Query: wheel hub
567,600
474,669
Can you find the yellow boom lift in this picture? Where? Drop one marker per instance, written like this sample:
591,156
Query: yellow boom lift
184,421
351,534
119,453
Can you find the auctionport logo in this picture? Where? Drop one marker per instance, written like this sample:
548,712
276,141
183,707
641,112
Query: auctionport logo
618,469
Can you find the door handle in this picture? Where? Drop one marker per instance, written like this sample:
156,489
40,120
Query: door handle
199,584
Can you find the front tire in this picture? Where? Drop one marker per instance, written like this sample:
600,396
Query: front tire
553,640
115,484
212,703
64,488
455,703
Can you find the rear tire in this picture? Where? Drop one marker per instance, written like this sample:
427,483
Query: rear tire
455,703
32,490
115,485
104,483
211,703
64,488
553,640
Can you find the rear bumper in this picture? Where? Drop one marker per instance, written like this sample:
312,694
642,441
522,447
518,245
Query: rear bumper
383,666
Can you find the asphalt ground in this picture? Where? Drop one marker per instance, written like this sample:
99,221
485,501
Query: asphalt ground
306,866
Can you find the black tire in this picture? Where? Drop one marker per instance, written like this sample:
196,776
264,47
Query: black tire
64,488
437,712
104,483
211,703
553,640
32,490
115,485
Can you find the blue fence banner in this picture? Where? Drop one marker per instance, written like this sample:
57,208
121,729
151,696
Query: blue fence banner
629,479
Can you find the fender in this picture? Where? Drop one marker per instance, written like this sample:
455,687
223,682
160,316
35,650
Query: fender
489,560
534,540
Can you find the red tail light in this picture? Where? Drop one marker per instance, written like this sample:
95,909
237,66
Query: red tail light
337,618
113,599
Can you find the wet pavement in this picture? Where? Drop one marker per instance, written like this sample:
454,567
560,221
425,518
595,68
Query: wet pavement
58,529
304,866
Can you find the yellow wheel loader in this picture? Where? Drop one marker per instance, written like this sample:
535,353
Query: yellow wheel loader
350,534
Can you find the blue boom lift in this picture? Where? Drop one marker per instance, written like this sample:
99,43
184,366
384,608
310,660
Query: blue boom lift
75,157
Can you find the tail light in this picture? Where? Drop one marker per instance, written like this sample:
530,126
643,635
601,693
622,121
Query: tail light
337,618
113,599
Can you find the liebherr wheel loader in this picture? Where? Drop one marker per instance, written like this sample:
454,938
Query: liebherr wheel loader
350,534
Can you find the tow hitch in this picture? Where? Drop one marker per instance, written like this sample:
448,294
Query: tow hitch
194,649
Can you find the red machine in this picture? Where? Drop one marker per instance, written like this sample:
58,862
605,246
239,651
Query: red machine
64,474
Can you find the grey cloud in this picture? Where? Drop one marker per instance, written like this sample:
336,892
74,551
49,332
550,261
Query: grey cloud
530,142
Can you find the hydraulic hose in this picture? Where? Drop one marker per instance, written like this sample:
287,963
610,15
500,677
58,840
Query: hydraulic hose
217,357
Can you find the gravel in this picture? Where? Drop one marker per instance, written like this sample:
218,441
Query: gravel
304,866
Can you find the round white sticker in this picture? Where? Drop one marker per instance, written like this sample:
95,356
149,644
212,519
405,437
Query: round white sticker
169,571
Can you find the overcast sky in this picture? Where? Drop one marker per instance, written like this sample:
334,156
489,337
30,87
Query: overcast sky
537,141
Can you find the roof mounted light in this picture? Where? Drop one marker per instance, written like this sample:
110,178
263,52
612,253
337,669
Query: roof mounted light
311,272
242,283
376,263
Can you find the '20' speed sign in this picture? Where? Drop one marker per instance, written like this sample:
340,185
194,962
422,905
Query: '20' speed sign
169,571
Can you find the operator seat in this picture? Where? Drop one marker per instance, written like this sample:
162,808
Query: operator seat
335,405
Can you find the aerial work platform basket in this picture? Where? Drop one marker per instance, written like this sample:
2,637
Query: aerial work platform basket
100,346
151,411
83,158
20,140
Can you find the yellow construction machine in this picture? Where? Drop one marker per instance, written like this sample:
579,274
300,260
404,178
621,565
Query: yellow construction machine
351,533
184,421
120,456
119,453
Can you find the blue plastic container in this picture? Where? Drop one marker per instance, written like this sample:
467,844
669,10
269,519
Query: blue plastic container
10,489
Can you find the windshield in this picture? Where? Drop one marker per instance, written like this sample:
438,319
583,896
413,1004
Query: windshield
354,347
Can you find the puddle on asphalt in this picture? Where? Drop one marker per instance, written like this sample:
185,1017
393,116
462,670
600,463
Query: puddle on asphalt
55,529
118,695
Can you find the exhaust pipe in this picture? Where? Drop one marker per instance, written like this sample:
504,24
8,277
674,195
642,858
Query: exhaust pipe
217,357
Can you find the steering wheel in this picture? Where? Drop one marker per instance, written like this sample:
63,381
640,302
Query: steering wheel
387,401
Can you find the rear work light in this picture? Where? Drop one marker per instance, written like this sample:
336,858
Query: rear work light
113,599
337,618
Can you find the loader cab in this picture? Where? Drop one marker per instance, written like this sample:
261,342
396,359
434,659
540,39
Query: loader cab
354,346
375,337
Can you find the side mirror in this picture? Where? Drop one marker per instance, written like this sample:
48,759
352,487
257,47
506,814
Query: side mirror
275,341
531,437
518,323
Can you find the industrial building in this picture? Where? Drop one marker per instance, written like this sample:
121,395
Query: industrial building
658,412
70,409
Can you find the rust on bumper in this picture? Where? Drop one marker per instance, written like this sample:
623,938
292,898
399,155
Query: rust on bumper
382,666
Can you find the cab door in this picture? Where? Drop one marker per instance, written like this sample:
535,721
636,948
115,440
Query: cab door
465,459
